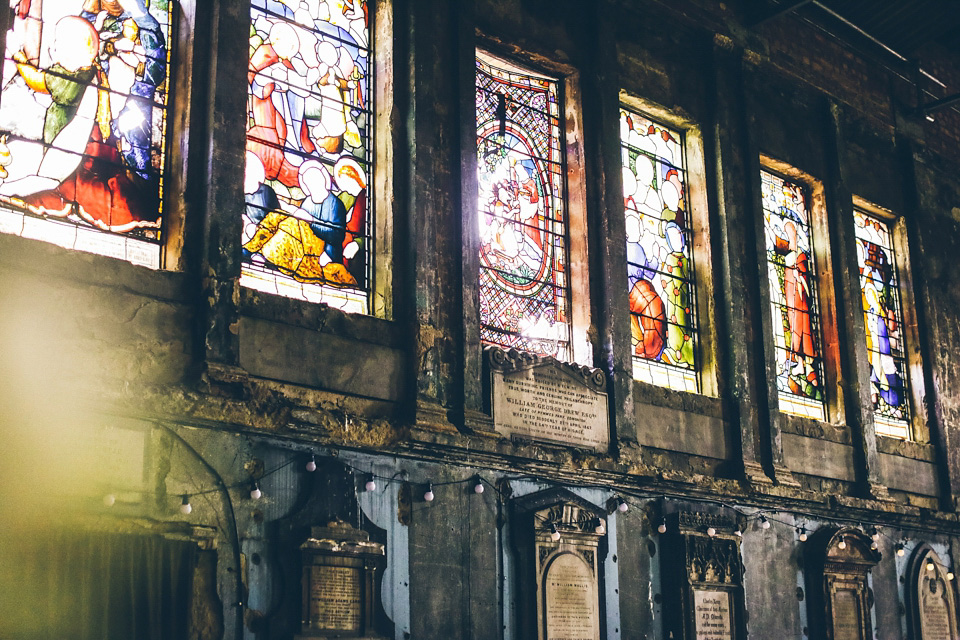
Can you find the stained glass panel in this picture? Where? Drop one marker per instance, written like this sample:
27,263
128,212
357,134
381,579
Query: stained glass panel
883,320
792,271
659,258
82,124
306,225
523,231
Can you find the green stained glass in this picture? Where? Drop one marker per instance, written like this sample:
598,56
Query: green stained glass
83,125
660,270
792,272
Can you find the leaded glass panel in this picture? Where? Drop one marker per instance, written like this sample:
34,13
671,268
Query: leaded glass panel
660,270
522,218
306,224
82,124
883,321
792,271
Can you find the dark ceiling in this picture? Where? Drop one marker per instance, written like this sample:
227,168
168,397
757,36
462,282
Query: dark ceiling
903,25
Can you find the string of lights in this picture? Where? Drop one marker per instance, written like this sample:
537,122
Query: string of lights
619,502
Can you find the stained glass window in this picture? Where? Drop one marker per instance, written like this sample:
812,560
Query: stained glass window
883,320
522,217
659,257
792,271
306,224
82,125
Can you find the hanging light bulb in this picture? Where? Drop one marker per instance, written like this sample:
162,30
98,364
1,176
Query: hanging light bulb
711,531
842,544
764,523
428,496
185,506
663,526
950,575
478,485
255,492
875,535
622,505
738,532
874,545
312,464
371,484
802,534
554,532
930,565
600,527
109,500
900,549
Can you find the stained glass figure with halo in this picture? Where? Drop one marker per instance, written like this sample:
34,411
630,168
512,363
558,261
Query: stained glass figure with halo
792,272
306,224
522,218
83,124
883,322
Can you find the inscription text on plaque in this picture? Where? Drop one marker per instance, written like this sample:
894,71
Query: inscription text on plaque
846,615
571,603
335,602
712,615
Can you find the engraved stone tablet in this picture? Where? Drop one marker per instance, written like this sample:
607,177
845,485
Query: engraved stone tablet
335,603
934,611
542,399
846,615
712,615
571,600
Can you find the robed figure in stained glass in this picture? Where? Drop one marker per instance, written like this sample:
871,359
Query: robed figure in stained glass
308,144
791,275
82,111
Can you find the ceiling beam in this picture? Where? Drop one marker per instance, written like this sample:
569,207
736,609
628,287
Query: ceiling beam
777,11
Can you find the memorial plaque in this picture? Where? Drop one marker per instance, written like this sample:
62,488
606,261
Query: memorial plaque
569,590
712,615
846,615
542,399
335,601
931,597
935,612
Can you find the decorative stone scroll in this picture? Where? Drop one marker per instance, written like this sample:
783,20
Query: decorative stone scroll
702,578
560,579
838,563
339,565
932,604
542,399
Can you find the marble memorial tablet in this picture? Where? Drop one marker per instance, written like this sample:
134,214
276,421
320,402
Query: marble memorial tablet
571,601
934,610
335,603
846,615
712,615
546,402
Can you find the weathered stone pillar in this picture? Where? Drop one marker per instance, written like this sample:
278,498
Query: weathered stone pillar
434,203
608,243
854,362
224,79
935,315
743,321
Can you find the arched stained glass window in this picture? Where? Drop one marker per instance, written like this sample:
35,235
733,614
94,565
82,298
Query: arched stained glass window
792,271
659,254
82,125
883,320
306,231
523,230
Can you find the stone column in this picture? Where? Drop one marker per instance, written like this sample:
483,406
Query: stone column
937,324
742,319
600,93
224,79
434,246
854,362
